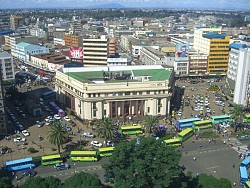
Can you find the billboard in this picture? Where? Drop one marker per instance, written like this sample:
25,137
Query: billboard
181,53
76,52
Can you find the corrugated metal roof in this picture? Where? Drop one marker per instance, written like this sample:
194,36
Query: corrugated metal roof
23,44
238,46
214,35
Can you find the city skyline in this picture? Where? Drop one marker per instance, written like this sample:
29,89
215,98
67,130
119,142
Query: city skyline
189,4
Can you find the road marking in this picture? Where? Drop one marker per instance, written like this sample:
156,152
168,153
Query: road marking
213,167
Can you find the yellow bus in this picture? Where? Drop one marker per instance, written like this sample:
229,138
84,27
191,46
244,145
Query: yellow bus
173,142
51,159
203,124
185,134
247,118
131,129
84,156
105,152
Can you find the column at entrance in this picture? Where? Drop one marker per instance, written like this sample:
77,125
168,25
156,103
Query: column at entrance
142,108
136,108
116,109
130,108
123,109
110,110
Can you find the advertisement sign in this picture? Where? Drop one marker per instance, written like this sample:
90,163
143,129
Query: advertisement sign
181,53
76,52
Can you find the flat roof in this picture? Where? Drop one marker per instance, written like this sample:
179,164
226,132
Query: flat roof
214,35
157,73
4,54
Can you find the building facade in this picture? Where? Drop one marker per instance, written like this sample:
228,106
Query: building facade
116,91
151,56
4,61
23,50
16,21
7,66
216,45
197,63
242,83
73,40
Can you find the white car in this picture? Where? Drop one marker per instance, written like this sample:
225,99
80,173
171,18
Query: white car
19,139
39,124
25,133
66,118
179,113
57,117
96,143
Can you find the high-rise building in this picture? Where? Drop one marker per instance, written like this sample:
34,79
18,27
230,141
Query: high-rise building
73,40
97,50
7,66
242,82
5,59
16,21
216,44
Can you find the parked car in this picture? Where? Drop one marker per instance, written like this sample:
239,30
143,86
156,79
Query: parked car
29,173
25,133
66,118
19,139
23,116
89,135
57,117
96,143
61,166
39,124
68,128
109,143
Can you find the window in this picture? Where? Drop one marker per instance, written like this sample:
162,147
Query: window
94,105
148,109
94,113
159,109
127,93
105,112
148,92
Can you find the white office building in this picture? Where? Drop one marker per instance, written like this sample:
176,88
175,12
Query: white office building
7,67
242,83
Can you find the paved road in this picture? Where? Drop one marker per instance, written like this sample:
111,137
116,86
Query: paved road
212,158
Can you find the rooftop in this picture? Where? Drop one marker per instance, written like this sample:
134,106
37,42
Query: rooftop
214,35
238,46
23,44
119,74
4,54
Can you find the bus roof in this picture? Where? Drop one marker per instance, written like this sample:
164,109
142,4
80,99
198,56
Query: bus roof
83,152
202,122
172,140
246,161
185,131
243,172
247,183
51,157
131,127
106,149
23,160
188,120
247,115
221,116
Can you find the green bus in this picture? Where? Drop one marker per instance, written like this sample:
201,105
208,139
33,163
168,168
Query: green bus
185,134
221,119
173,142
83,156
105,152
51,159
131,129
203,124
247,118
247,184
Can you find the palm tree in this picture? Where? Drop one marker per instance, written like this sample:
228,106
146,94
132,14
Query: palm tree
150,122
105,129
57,135
237,115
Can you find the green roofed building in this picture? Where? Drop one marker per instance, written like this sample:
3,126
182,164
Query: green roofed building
115,91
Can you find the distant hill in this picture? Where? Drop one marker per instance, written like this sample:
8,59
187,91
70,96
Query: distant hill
110,5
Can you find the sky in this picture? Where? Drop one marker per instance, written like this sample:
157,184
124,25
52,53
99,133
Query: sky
218,4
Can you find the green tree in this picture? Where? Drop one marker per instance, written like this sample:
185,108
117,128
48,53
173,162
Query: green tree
237,115
57,135
146,162
106,129
209,181
5,182
150,123
83,180
48,182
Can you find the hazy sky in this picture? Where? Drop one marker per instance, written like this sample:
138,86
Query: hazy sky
221,4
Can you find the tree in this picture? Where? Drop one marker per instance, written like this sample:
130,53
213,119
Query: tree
146,162
57,134
237,115
150,122
83,180
209,181
106,129
5,182
48,182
